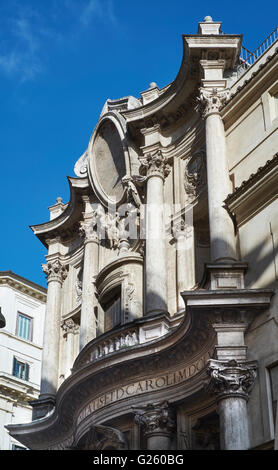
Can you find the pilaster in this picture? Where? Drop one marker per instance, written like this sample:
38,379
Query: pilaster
89,230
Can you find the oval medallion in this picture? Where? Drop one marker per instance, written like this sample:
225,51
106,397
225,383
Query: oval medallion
109,161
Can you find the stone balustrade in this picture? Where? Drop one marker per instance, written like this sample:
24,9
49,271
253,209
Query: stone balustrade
107,344
127,336
121,340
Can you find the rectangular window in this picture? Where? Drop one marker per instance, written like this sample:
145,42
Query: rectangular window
273,376
24,326
113,311
21,369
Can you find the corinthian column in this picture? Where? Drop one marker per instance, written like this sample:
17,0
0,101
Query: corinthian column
56,273
232,382
88,327
158,423
155,168
222,237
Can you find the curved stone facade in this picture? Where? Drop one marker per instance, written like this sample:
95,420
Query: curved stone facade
161,328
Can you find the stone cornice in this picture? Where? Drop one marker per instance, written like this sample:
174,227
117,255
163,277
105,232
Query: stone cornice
243,91
20,284
259,190
17,388
66,222
183,88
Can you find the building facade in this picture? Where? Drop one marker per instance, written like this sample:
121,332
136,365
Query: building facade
21,340
162,269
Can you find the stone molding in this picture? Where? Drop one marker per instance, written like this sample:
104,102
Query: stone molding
88,229
195,175
55,271
255,193
154,165
181,230
8,278
211,101
69,326
231,378
156,418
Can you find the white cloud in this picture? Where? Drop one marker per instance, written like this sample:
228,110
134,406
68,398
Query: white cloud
25,32
101,9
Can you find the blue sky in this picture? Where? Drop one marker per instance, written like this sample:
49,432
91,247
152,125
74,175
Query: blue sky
59,62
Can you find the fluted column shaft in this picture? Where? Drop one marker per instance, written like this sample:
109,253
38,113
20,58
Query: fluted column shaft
88,327
222,237
155,254
56,273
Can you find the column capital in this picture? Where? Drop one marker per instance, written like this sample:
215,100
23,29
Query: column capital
155,418
55,271
211,100
232,378
154,164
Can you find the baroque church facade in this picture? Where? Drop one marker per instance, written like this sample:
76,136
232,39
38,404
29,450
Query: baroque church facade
162,313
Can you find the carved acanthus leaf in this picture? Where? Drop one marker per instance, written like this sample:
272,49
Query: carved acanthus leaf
231,378
154,165
55,271
211,101
155,417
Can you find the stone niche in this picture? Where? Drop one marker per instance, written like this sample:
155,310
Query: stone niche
107,164
124,275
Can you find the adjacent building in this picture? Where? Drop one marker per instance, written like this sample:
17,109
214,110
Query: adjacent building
21,341
162,307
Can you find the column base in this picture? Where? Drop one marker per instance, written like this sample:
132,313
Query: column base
42,407
225,275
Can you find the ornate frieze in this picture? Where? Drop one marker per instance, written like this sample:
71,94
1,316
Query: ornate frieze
210,102
69,326
232,378
154,418
182,230
88,228
132,191
195,175
79,285
55,271
154,165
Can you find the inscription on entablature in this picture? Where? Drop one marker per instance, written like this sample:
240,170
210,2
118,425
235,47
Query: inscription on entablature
145,385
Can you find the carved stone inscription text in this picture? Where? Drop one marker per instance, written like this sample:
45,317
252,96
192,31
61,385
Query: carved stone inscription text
143,386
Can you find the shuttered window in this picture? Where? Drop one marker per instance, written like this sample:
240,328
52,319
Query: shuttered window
20,369
24,327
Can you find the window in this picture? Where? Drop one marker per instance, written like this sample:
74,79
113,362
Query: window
24,326
273,376
21,369
16,447
113,311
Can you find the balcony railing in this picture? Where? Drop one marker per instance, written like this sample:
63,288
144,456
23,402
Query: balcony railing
247,58
117,342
